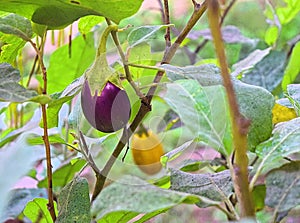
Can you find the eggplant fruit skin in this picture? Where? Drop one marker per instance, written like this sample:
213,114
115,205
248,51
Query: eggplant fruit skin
107,112
146,151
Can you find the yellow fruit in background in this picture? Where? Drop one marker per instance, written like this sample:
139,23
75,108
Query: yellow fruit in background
282,114
146,150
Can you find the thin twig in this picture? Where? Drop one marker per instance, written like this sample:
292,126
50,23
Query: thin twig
167,22
144,108
239,124
45,136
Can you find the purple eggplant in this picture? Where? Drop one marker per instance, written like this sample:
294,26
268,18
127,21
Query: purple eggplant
107,110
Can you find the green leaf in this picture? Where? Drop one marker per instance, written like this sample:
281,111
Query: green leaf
61,12
259,194
10,47
130,196
70,68
64,174
255,102
268,72
144,34
271,35
288,12
53,109
85,24
74,202
37,210
38,140
15,162
281,195
18,198
250,61
11,90
214,187
16,25
203,111
284,141
293,68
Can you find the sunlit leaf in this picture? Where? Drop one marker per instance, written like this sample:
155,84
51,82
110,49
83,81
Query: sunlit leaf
10,47
293,68
64,174
37,210
85,24
16,25
281,195
74,202
63,70
130,196
143,34
61,12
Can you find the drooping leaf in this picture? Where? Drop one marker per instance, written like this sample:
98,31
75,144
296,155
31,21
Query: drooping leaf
255,103
281,195
11,90
143,34
74,202
61,12
284,141
268,72
215,187
10,47
16,25
18,198
64,69
293,68
64,174
15,162
250,61
37,210
130,196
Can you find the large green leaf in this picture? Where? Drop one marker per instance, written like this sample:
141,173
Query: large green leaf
64,174
293,68
11,90
37,210
284,141
215,187
255,102
10,47
16,25
289,11
281,195
203,110
59,13
130,196
74,202
63,70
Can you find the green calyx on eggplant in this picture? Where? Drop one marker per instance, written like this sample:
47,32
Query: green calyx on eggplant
105,104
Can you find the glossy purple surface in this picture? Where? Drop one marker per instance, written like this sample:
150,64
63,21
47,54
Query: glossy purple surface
108,112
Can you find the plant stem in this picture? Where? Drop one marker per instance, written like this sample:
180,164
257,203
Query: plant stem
45,136
145,108
167,22
239,124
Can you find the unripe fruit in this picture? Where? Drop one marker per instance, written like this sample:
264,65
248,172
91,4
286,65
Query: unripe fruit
146,151
107,110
